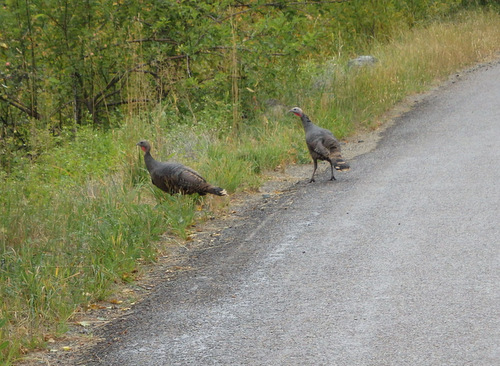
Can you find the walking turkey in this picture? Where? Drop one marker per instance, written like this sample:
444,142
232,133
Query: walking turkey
322,145
176,178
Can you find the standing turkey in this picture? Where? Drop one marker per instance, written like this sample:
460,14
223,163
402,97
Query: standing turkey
322,144
176,178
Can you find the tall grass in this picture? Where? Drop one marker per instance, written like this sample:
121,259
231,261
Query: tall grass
349,98
83,216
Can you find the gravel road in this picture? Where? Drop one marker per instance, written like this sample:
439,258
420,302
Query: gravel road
395,263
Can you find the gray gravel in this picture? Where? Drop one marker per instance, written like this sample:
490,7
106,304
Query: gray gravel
395,263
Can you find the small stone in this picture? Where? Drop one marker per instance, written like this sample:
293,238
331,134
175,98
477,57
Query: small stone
362,61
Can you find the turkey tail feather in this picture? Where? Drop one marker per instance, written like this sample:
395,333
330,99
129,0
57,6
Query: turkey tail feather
341,165
217,191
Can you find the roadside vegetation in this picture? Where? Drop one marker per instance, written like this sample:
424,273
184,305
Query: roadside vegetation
209,84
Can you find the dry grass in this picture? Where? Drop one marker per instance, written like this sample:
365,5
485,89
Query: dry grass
411,63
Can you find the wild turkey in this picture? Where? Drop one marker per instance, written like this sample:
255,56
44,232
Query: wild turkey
176,178
322,144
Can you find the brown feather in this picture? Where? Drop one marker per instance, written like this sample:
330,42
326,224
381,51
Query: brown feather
176,178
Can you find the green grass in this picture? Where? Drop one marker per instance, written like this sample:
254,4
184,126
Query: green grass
85,214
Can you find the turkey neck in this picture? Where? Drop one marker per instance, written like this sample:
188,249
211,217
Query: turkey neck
151,163
306,122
